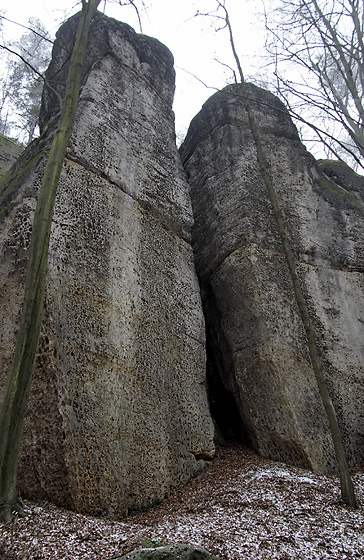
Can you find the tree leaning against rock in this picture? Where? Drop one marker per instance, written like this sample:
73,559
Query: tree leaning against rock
18,386
347,489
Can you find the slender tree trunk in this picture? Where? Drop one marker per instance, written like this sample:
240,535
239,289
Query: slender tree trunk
19,382
347,489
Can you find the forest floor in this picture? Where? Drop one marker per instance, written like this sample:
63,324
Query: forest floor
242,507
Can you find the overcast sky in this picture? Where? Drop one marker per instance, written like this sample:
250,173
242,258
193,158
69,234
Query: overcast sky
192,40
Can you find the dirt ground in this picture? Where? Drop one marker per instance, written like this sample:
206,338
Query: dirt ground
241,507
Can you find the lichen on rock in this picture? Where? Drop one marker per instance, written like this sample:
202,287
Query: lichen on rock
118,414
9,152
247,290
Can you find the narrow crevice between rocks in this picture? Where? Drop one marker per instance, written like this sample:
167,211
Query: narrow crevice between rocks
224,410
223,399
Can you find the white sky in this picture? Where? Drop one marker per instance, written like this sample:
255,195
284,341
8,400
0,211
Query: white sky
193,41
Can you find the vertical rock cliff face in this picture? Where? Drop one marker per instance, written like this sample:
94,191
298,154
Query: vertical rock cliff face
258,351
118,414
9,152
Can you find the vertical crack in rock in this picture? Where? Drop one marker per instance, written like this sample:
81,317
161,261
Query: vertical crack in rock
257,341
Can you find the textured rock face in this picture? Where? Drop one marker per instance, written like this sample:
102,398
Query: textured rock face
258,350
118,414
9,152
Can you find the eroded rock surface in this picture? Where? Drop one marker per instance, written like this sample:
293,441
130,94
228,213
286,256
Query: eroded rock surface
9,152
258,350
118,414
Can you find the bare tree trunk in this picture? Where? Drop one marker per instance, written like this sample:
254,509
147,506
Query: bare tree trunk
347,489
19,382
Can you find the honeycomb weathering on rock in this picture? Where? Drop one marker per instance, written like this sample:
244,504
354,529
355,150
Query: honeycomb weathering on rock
246,286
118,414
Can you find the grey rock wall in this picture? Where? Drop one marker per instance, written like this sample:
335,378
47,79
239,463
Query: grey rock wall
258,346
9,152
118,415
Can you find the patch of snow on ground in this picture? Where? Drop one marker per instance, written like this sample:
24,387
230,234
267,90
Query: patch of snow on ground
241,507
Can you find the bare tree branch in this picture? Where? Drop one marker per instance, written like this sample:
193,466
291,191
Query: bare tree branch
34,70
321,42
41,35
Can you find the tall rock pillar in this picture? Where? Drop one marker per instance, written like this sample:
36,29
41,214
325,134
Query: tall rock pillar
258,350
118,414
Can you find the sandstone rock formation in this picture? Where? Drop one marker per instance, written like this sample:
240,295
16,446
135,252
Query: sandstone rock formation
258,356
9,152
118,414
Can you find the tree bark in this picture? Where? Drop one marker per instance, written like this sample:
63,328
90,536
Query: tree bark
19,382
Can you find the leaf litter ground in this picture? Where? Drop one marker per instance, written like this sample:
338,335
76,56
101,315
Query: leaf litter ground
241,507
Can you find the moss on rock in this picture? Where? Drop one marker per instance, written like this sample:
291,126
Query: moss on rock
9,152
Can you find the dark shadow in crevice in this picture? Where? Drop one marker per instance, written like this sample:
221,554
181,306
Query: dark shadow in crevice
222,392
225,413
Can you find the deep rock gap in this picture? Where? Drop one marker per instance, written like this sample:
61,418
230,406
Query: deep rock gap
229,426
226,410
